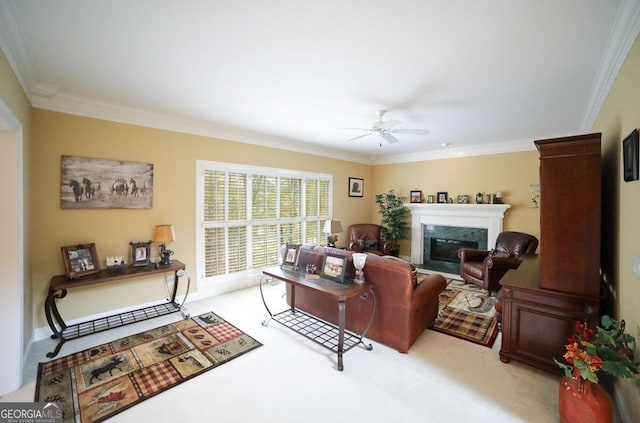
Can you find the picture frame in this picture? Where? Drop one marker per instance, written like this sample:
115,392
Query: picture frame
463,199
356,187
91,183
290,256
140,253
442,197
334,267
80,260
630,156
416,196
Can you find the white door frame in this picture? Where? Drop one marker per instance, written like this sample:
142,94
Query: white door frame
12,257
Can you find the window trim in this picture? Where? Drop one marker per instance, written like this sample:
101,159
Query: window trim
238,279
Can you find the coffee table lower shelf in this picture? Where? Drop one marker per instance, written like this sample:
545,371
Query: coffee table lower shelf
318,330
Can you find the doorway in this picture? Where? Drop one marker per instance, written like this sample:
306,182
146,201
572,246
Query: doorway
11,259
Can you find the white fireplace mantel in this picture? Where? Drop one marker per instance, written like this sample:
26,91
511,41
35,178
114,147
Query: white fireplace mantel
486,216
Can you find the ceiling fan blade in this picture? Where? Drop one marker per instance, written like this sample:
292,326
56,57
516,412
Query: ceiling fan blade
359,129
359,136
411,131
389,138
388,124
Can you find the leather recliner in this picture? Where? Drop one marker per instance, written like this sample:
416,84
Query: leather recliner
365,238
486,268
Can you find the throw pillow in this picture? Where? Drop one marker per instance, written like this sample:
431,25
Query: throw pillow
371,244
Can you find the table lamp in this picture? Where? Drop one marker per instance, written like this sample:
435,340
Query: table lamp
162,235
359,259
331,227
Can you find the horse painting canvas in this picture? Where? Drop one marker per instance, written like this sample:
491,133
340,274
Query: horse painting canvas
88,183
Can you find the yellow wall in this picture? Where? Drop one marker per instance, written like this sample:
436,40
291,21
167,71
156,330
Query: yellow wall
510,173
619,115
174,158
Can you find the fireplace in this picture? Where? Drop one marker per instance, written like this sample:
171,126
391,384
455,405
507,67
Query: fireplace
443,249
441,244
460,225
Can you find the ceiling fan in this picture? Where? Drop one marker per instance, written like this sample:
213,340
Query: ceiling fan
385,129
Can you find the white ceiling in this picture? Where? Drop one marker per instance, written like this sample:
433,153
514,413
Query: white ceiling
484,76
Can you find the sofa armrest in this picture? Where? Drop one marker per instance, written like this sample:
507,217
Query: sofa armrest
502,262
429,288
470,254
386,247
355,247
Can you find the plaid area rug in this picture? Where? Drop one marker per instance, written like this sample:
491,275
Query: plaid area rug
97,383
467,312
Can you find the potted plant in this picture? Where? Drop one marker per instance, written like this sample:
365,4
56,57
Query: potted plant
393,222
590,352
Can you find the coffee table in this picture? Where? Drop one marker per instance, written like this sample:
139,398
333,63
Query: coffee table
330,336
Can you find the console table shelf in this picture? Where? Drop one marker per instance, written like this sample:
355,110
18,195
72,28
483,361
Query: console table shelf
333,337
61,283
317,330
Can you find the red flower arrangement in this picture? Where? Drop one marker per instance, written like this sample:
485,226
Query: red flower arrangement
605,349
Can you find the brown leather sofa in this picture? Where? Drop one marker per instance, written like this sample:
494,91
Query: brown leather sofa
486,268
365,238
404,308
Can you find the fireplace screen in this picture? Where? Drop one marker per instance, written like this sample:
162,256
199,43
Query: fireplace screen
443,249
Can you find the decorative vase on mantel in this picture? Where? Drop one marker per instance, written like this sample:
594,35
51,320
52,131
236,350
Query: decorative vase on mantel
583,401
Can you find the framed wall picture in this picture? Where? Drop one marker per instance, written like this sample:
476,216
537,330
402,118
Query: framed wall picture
356,187
630,156
140,253
334,267
416,196
442,197
80,260
290,258
89,183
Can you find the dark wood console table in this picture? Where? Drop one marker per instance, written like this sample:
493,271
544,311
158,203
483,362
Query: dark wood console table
334,338
536,321
60,284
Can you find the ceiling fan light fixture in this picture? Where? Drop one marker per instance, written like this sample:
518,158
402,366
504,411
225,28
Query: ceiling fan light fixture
384,129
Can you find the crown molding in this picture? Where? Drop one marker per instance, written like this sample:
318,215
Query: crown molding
47,97
457,152
13,45
623,34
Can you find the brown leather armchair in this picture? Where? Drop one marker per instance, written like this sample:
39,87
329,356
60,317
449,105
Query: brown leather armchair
486,268
365,238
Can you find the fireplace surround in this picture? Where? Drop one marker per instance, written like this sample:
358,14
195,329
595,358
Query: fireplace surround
459,223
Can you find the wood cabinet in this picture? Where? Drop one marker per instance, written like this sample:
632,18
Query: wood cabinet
548,293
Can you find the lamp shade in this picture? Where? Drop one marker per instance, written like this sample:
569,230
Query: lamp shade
359,260
332,226
164,234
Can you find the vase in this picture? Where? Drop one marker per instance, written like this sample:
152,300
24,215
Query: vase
582,401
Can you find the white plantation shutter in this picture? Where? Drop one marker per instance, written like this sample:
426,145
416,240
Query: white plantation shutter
214,185
265,245
264,199
247,212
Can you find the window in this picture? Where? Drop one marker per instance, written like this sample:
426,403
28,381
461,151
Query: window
246,212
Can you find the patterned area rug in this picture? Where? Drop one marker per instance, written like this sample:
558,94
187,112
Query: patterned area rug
94,384
467,312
